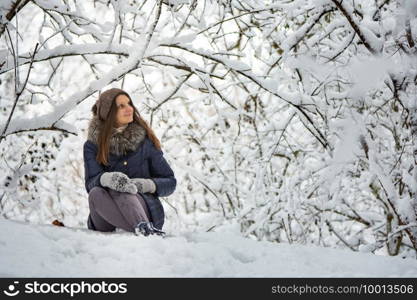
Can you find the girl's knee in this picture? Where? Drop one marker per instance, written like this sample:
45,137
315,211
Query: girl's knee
97,190
95,194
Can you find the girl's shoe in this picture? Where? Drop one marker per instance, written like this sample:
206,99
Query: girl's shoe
147,228
144,228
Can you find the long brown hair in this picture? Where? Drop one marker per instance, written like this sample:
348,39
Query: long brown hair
108,124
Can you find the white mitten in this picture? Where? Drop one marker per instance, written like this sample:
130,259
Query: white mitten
119,182
144,185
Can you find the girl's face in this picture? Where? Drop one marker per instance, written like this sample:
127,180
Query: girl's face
124,113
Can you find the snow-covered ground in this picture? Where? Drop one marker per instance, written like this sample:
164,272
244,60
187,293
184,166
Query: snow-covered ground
28,250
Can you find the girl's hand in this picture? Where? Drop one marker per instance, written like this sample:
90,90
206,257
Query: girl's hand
144,185
118,181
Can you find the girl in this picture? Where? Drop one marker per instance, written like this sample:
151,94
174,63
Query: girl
125,170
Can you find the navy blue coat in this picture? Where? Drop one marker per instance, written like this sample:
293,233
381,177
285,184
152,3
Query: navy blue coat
146,162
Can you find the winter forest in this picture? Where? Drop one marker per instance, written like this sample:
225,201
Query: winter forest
292,121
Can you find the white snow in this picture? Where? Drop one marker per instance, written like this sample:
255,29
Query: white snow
28,250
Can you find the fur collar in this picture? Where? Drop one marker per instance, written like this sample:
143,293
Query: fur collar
120,142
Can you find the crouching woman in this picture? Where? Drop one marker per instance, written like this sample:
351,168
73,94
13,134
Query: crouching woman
125,170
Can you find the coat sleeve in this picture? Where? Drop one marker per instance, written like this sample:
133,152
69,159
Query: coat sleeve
92,169
161,173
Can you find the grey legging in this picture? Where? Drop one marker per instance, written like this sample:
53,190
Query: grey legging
110,209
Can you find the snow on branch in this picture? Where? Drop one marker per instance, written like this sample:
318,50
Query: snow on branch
67,50
267,85
367,37
53,120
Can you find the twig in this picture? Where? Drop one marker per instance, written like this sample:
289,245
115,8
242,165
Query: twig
354,26
331,229
19,91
